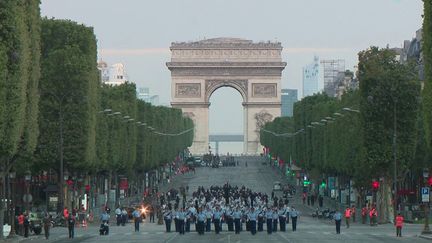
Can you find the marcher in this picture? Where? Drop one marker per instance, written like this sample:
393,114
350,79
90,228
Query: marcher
337,218
209,216
269,219
282,218
237,218
181,216
201,218
136,214
275,219
47,225
364,213
294,214
260,220
347,216
399,224
252,217
167,217
71,226
217,215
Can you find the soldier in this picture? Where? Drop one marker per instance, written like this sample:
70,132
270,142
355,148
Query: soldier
252,217
269,219
167,217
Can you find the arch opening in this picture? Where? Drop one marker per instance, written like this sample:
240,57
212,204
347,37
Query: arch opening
226,120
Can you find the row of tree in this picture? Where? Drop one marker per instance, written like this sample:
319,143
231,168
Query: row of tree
54,109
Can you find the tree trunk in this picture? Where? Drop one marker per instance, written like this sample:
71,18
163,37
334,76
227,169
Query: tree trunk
2,208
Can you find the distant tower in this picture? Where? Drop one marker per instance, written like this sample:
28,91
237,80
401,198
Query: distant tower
288,98
113,75
311,78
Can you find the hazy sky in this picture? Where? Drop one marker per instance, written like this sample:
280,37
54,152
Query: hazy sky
138,33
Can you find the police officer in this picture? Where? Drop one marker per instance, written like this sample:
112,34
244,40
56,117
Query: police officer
275,217
118,215
269,219
181,217
229,219
237,219
337,218
137,218
260,220
201,218
209,216
167,217
188,220
282,218
252,217
217,216
294,214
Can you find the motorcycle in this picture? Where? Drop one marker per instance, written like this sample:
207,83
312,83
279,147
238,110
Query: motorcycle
35,223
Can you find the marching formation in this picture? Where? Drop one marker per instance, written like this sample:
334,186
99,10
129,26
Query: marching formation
233,206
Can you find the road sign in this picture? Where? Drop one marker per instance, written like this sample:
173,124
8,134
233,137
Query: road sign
425,194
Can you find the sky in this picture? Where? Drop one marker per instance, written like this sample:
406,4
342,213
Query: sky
138,33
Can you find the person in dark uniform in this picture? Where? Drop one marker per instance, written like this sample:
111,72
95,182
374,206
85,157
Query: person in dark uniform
209,216
237,218
71,226
181,217
337,218
260,220
275,219
217,215
201,218
282,218
229,219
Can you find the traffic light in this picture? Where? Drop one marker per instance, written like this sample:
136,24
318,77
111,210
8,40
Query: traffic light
323,184
375,185
430,181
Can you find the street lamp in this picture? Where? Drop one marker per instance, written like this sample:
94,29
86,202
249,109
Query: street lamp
12,176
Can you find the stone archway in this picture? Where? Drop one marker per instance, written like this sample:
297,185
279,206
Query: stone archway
200,68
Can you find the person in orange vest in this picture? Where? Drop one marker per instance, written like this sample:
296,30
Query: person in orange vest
347,216
353,213
373,214
364,213
399,224
66,213
21,224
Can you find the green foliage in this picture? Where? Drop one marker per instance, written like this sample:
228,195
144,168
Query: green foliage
19,71
427,59
68,90
389,90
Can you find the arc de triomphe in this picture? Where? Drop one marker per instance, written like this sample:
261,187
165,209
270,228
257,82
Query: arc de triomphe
253,69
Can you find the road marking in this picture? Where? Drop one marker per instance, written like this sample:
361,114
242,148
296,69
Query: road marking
145,233
158,233
171,239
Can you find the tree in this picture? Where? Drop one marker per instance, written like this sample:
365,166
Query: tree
427,59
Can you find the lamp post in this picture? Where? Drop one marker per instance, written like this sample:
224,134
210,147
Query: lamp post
27,197
12,176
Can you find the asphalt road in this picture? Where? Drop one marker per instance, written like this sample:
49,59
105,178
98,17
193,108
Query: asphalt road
258,177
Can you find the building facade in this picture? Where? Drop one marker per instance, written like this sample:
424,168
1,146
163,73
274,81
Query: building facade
288,98
311,74
112,75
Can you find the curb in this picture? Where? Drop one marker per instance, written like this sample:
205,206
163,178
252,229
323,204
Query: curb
427,237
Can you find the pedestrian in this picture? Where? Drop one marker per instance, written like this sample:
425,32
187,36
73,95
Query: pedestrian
71,226
21,219
152,213
47,225
118,215
252,217
320,201
269,220
364,213
372,215
347,216
399,224
26,226
304,198
294,215
337,218
353,213
136,214
124,215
